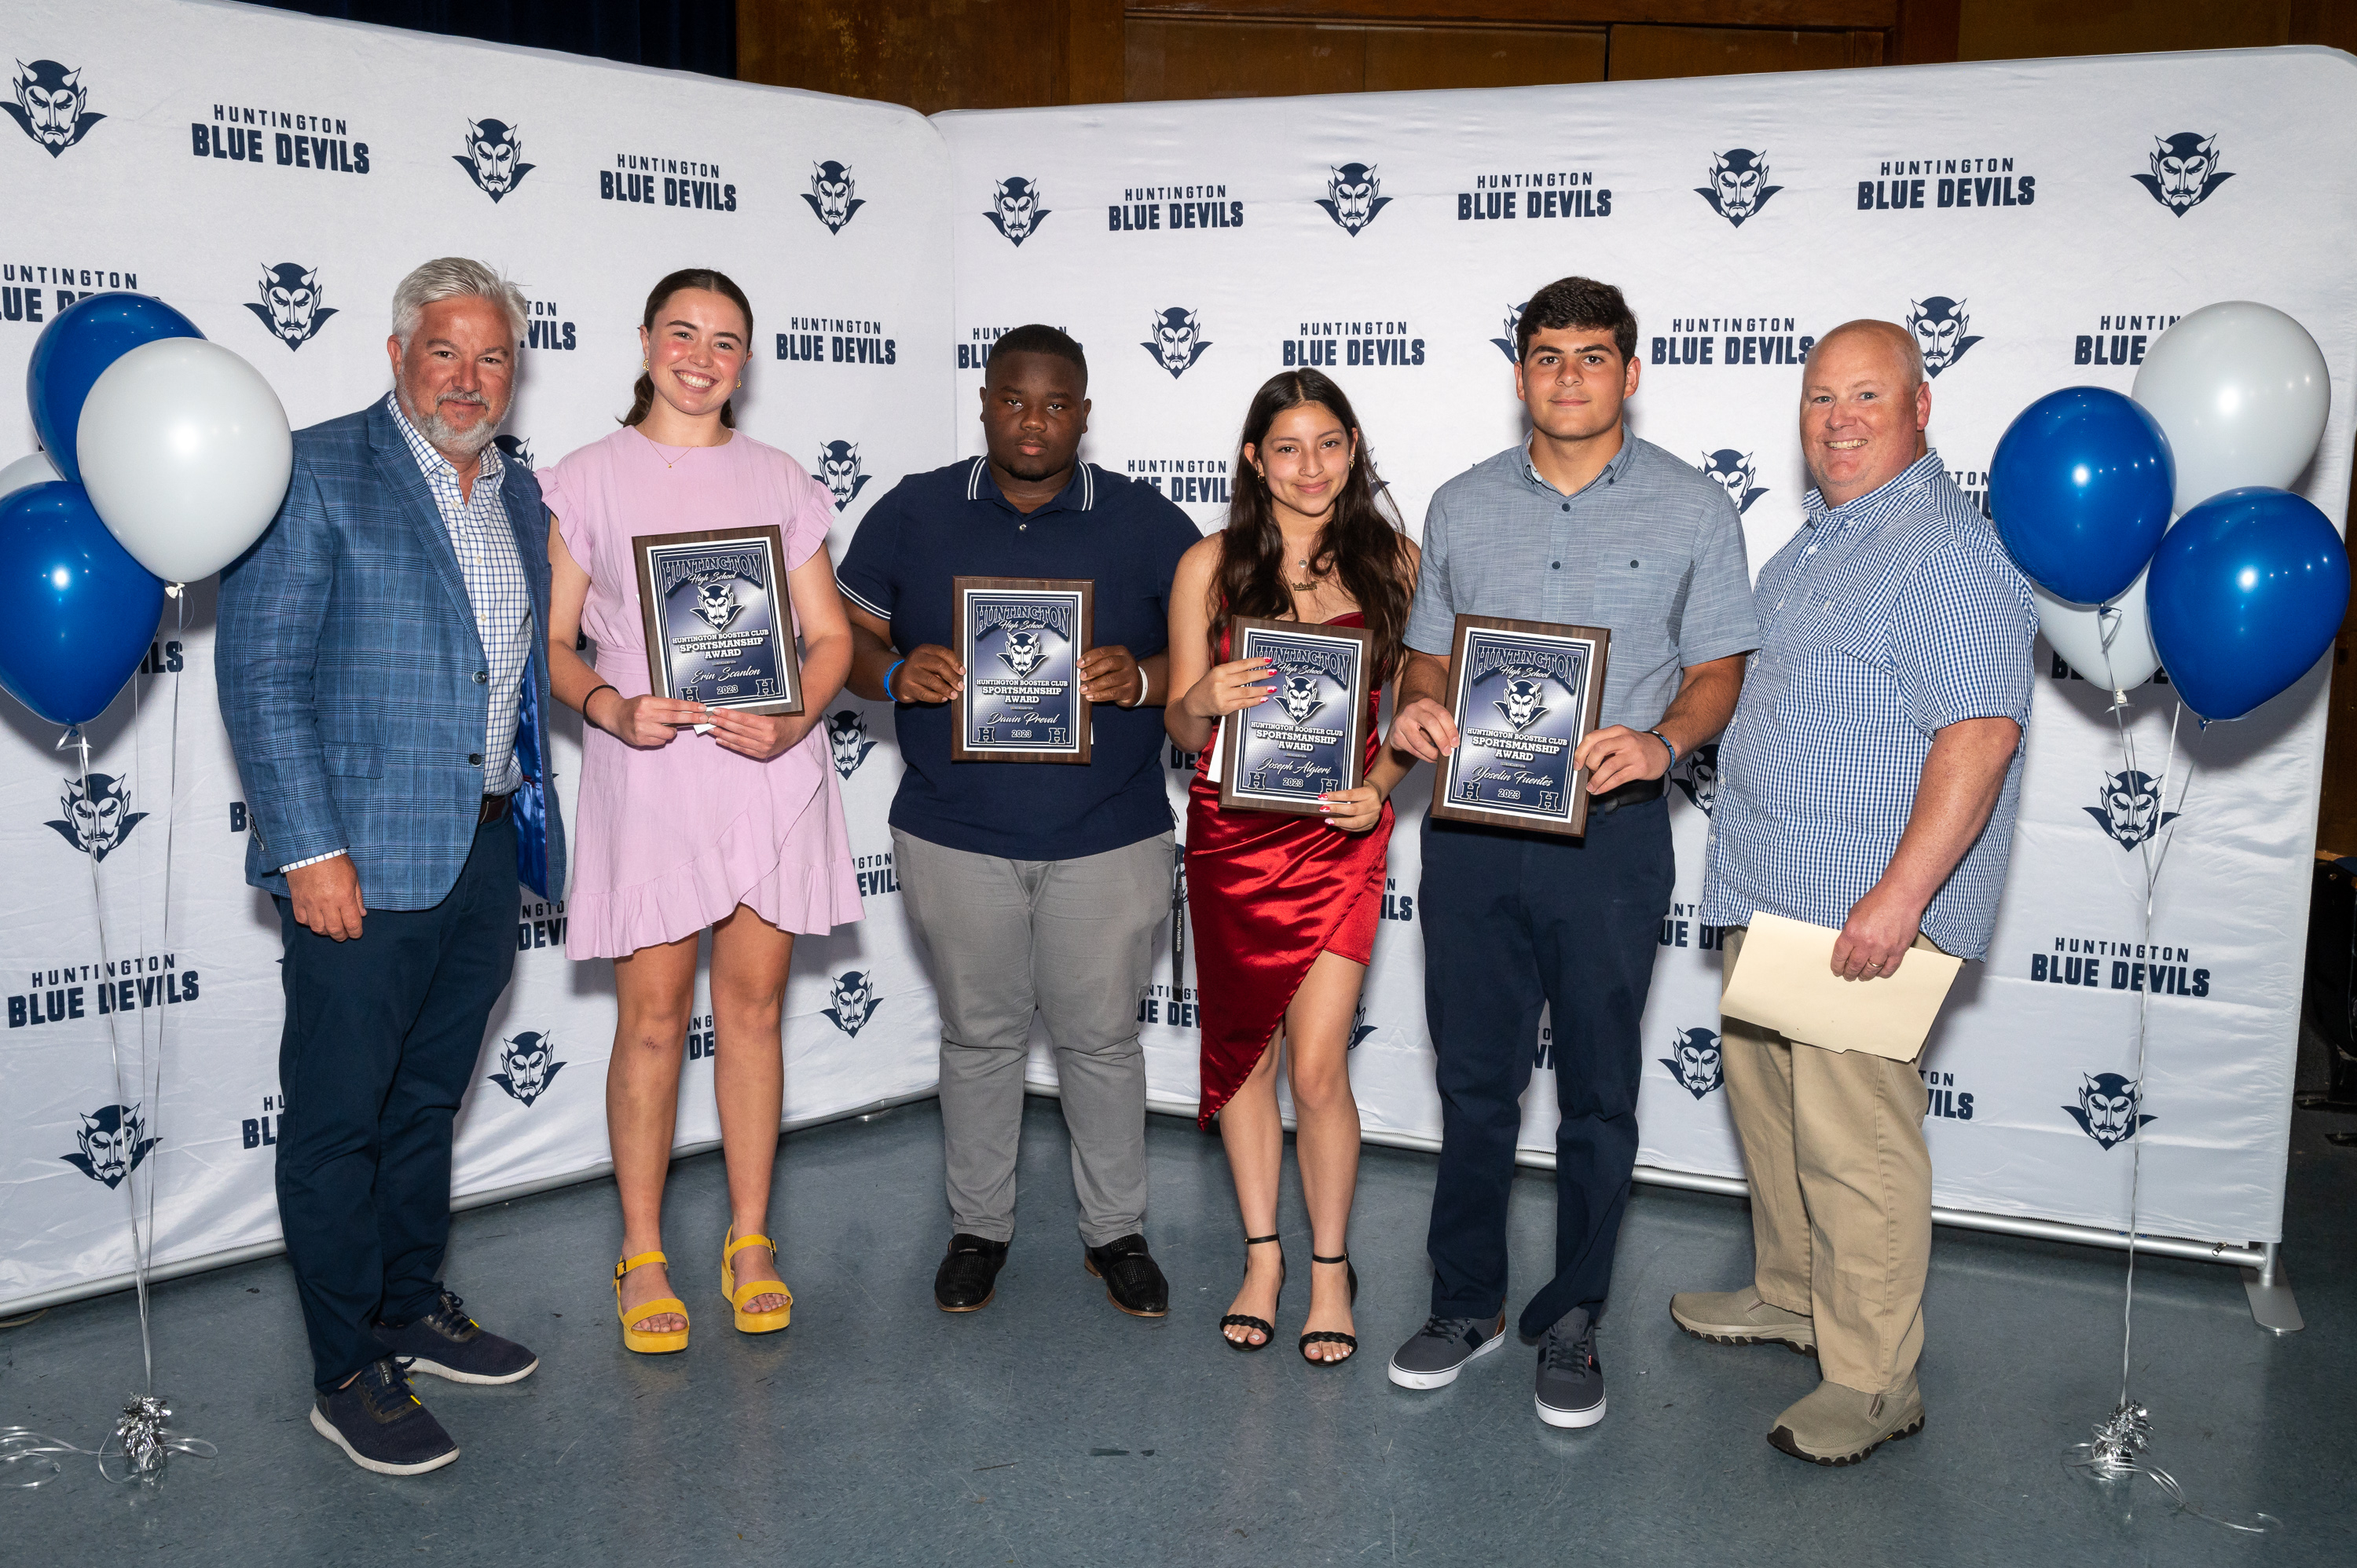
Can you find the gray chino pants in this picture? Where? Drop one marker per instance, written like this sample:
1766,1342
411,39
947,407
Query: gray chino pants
1073,940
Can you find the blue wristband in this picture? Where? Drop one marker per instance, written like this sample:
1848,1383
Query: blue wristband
888,680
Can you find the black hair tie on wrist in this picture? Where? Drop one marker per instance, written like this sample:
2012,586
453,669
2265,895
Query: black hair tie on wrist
593,690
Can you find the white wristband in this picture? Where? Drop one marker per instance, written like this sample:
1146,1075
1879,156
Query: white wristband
298,864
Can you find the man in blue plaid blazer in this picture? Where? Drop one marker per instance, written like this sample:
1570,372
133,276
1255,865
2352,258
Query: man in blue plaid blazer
375,662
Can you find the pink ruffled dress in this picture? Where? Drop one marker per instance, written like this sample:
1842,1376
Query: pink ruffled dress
667,841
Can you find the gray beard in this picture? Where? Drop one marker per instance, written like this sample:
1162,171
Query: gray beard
449,441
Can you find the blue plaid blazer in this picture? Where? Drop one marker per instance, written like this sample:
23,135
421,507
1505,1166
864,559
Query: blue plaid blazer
351,677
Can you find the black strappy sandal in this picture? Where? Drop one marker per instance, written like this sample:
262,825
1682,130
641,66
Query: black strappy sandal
1329,1335
1243,1320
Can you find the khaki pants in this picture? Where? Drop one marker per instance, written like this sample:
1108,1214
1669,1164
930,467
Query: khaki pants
1841,1192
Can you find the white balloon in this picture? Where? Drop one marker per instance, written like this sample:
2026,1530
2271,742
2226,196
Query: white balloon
2080,632
26,472
185,453
2243,391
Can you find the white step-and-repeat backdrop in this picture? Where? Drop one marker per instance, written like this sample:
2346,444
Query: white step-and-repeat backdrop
2036,225
275,177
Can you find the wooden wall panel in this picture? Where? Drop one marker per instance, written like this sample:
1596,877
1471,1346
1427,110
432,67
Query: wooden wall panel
1641,53
2031,29
1230,58
1235,56
1706,13
937,54
1399,58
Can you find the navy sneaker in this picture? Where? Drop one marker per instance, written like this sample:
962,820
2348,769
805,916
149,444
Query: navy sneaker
450,1344
380,1426
1570,1383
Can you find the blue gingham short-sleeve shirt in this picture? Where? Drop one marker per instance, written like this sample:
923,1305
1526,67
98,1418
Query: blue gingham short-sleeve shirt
1883,621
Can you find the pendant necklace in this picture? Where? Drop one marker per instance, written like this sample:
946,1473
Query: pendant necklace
1313,578
667,462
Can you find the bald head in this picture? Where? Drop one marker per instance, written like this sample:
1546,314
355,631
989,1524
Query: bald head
1863,409
1906,359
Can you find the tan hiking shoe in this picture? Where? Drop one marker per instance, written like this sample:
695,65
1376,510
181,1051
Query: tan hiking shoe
1740,1317
1841,1425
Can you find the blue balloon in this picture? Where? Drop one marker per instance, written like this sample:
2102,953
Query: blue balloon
2246,593
75,350
77,612
2080,488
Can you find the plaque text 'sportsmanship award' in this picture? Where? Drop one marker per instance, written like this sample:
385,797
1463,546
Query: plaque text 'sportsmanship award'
1525,694
1020,640
1310,734
720,630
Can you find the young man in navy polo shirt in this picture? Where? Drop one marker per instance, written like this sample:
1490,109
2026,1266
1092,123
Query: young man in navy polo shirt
1036,886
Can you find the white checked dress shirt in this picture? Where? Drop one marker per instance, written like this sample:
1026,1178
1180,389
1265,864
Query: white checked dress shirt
495,585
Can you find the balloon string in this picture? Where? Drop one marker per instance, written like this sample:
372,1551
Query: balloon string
143,1438
34,1452
171,822
151,1109
2120,1441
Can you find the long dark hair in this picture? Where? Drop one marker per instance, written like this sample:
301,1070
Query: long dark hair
1361,541
642,396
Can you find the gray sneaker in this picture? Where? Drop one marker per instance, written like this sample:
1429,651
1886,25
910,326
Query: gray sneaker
1571,1379
1433,1353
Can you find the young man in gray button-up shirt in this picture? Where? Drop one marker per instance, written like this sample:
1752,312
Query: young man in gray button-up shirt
1585,525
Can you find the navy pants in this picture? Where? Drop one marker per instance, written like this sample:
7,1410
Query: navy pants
383,1034
1511,920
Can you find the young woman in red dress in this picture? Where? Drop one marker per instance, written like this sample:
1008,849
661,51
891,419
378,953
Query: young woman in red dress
1285,907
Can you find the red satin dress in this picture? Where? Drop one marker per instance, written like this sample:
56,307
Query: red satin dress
1269,893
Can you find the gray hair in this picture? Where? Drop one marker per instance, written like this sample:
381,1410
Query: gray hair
453,277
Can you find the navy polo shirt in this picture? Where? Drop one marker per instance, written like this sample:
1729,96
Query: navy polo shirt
955,523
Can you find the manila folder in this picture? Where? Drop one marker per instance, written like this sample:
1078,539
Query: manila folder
1784,981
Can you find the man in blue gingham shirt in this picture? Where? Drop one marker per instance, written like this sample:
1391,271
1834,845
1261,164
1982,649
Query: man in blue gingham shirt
1867,783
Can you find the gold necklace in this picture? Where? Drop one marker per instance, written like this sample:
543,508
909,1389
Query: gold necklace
667,462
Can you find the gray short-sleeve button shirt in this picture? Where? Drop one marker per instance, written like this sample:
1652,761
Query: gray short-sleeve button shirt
1651,549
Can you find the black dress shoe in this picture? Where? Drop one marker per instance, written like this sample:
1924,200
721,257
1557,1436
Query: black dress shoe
968,1276
1131,1281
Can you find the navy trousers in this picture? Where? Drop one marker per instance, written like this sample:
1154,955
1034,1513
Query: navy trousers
1511,920
383,1034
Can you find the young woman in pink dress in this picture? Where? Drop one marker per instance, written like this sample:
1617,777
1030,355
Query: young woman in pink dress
740,829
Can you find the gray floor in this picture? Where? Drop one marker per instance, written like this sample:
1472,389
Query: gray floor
1051,1429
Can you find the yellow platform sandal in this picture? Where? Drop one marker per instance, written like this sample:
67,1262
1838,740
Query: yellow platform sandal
645,1342
752,1321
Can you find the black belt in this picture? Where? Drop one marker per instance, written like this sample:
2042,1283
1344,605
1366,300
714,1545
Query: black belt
1635,794
496,807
